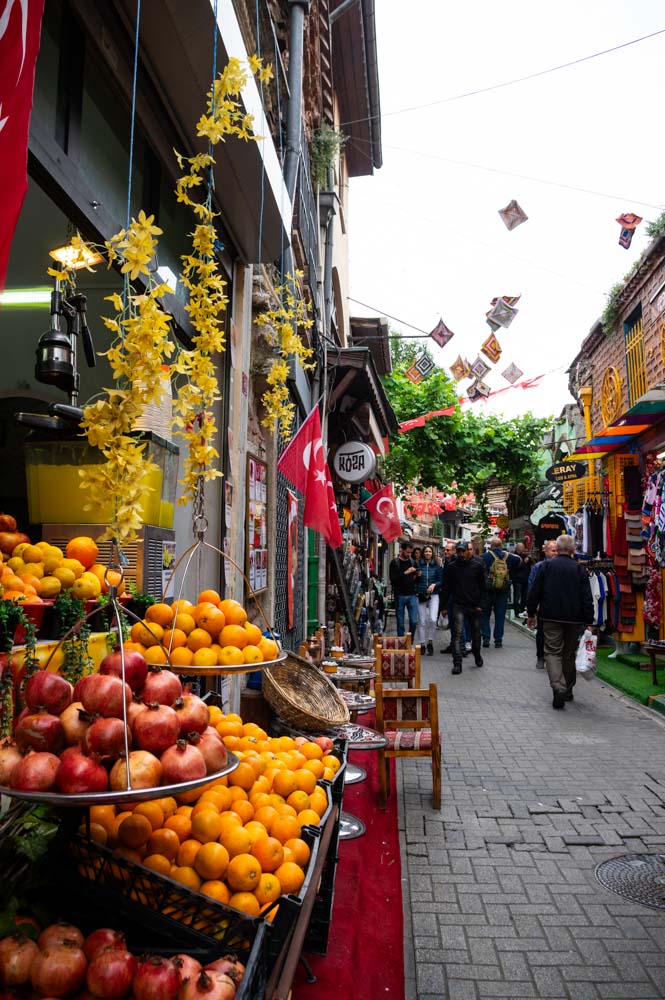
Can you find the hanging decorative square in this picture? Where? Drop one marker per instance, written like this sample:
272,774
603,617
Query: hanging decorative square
482,388
513,215
413,374
512,300
441,334
424,365
503,313
491,349
512,373
629,223
460,368
479,368
494,326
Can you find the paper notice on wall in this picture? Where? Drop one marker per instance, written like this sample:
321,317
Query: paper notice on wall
168,562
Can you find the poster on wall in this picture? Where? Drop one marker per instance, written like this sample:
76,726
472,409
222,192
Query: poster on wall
257,533
291,553
168,561
228,504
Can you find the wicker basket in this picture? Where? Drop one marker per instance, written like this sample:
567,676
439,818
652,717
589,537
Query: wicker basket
303,696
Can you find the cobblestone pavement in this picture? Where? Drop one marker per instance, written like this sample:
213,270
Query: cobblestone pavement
500,892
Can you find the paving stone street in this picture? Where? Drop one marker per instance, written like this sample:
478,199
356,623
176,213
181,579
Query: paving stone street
500,894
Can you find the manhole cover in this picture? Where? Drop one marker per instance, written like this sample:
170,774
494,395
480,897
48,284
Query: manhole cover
638,877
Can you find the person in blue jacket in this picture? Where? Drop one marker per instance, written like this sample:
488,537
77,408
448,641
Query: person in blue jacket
428,590
498,565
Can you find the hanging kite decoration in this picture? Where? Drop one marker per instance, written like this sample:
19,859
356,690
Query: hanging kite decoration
460,368
441,334
420,369
629,224
491,348
478,390
513,215
512,373
479,368
502,313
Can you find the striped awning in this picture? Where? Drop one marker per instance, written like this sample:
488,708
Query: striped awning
625,430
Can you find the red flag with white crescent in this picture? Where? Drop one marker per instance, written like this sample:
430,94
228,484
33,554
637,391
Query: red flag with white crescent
383,509
305,449
20,27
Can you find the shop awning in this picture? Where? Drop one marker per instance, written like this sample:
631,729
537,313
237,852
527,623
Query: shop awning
623,432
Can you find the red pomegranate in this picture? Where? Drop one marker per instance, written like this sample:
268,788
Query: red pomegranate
136,667
182,762
157,728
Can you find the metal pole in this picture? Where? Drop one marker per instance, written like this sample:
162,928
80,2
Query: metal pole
299,8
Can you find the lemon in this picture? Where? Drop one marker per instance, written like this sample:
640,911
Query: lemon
50,586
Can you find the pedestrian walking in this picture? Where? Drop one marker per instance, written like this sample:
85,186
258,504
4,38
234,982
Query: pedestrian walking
549,551
464,585
561,595
404,579
497,565
428,590
519,579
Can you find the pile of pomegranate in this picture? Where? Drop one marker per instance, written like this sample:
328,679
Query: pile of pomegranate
65,963
73,740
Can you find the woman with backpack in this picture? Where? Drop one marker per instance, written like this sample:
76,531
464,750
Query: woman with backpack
498,565
428,590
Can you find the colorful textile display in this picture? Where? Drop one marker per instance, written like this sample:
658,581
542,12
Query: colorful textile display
512,373
502,313
441,334
413,374
653,606
478,390
460,368
491,348
513,215
512,300
479,368
629,223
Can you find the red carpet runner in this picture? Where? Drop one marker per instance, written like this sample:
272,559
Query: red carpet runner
365,957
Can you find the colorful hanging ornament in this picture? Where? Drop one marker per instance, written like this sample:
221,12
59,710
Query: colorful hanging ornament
512,300
629,224
513,215
502,313
492,324
478,390
460,368
413,374
441,334
479,368
512,373
491,348
420,369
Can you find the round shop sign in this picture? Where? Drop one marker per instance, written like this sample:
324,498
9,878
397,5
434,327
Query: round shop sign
354,462
502,522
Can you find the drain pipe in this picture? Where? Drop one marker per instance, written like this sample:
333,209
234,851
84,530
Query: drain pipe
327,200
299,9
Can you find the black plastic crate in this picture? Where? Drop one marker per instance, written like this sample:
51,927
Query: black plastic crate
318,931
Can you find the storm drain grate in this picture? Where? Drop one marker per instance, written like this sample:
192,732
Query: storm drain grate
638,877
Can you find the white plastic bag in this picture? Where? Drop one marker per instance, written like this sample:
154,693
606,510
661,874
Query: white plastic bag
585,658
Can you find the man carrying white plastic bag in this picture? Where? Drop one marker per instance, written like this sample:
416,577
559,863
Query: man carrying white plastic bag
585,660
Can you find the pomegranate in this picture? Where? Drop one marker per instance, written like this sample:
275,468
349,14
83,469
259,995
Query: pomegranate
110,974
299,740
182,762
105,937
193,713
212,747
157,728
50,691
9,758
17,954
325,743
136,667
40,731
161,685
145,771
58,971
156,979
7,522
78,774
60,933
106,738
229,966
80,686
187,966
75,722
35,773
135,709
105,695
208,986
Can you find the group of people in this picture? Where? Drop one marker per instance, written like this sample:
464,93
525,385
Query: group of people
470,587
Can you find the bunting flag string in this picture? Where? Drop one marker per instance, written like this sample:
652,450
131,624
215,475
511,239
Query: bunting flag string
480,391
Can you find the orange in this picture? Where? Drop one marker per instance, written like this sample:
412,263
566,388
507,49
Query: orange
206,826
268,889
230,742
184,810
168,805
291,877
246,902
198,638
159,613
269,648
269,853
237,793
230,820
252,729
230,656
34,581
184,622
187,853
243,872
299,800
285,810
236,840
330,761
157,863
256,831
204,804
84,549
156,654
113,829
259,799
186,876
225,606
178,606
243,776
284,783
152,811
137,646
266,815
306,780
12,582
174,638
285,828
261,786
134,831
252,654
104,815
211,861
148,634
312,751
181,825
318,801
308,817
112,579
229,728
236,615
205,657
165,842
208,596
244,809
216,890
233,635
315,766
220,795
131,853
288,854
181,657
254,633
216,649
216,714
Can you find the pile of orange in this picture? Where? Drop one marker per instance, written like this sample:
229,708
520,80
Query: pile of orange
239,840
36,572
213,632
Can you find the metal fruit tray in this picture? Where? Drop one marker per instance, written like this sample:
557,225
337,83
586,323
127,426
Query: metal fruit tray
222,671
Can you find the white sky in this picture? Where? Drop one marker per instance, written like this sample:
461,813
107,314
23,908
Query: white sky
426,240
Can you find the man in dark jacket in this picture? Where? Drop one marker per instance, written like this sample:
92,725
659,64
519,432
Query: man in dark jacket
404,579
561,595
464,584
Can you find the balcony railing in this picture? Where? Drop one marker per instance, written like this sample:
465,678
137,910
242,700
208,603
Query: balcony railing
306,218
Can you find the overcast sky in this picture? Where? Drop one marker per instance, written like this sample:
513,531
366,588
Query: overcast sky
426,239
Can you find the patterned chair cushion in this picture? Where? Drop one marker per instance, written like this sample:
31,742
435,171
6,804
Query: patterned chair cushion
398,664
409,739
392,642
406,709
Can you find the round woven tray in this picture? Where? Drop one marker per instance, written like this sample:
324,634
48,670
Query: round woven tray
303,696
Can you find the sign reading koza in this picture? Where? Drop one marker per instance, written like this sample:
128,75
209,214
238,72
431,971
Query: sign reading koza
354,462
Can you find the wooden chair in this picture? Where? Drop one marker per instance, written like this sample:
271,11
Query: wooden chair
399,665
409,718
391,642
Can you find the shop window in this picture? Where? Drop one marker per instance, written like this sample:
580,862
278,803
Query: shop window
635,359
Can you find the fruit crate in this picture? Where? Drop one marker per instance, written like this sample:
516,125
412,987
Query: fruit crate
318,931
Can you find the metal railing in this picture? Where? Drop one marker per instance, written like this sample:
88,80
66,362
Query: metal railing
306,217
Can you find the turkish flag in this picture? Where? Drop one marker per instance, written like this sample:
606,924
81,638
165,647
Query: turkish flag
383,508
295,461
20,28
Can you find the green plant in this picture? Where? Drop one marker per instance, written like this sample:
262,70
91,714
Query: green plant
326,145
656,227
77,661
610,313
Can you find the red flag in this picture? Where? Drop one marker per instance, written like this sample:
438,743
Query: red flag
304,464
383,508
304,450
20,26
